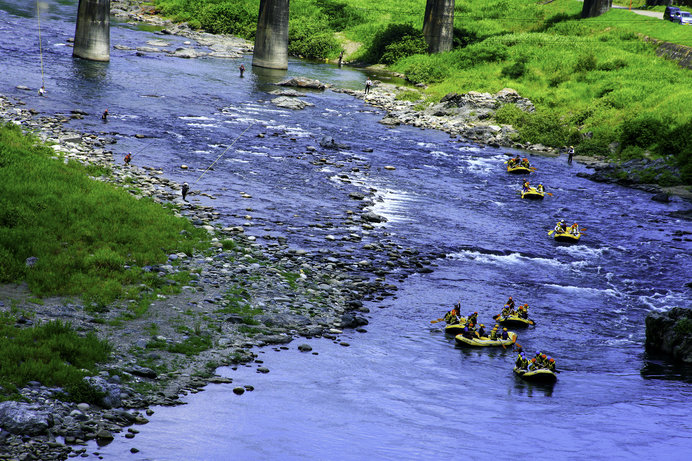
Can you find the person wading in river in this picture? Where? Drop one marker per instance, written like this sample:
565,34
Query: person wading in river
186,188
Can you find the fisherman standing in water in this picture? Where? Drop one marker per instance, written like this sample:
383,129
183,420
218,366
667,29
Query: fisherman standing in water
185,189
128,157
104,116
242,70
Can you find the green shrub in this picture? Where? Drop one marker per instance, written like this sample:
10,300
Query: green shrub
340,14
642,131
509,114
585,63
407,46
594,147
310,37
229,18
395,41
515,70
424,70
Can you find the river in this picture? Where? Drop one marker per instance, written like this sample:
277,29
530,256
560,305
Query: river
402,390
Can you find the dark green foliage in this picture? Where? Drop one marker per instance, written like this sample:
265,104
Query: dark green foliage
310,37
426,71
585,63
677,142
394,42
229,18
463,37
515,70
52,354
193,345
642,131
543,126
340,14
683,326
594,147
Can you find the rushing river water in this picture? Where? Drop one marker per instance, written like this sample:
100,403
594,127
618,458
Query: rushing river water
401,390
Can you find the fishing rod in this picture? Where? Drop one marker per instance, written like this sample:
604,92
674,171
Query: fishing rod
222,153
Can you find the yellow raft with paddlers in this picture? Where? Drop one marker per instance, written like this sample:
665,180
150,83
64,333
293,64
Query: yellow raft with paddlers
455,328
462,340
540,375
514,321
518,169
532,194
566,237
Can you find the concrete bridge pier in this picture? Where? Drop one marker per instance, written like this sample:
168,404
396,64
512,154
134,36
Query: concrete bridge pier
92,38
438,25
271,38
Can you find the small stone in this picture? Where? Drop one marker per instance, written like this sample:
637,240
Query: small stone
184,167
263,370
134,450
304,348
239,390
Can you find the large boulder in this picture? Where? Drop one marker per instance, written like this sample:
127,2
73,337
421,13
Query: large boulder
303,82
670,333
23,418
111,391
351,320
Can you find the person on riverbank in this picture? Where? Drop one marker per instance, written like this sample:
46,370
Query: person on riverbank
185,189
368,84
242,70
128,158
341,57
570,154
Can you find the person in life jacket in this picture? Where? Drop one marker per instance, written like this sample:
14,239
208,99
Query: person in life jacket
574,229
561,227
543,360
523,311
519,362
505,335
481,331
452,317
533,365
510,303
473,318
127,158
526,187
525,162
551,364
493,334
104,116
469,331
540,188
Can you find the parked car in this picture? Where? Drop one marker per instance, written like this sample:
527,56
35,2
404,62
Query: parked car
670,13
684,17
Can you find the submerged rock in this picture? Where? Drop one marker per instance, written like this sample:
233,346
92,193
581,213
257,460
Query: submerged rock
670,333
286,102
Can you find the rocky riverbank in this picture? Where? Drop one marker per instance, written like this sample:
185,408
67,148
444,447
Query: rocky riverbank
670,333
245,292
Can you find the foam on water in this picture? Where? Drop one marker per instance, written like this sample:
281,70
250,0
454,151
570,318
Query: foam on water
394,204
510,259
584,291
195,117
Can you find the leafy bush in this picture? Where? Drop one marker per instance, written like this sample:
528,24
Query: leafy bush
594,147
229,18
509,114
310,37
340,14
643,131
425,71
395,41
515,70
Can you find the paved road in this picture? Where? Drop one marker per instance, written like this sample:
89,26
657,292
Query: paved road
653,14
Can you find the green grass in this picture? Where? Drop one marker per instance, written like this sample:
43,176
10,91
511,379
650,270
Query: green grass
83,232
50,353
193,345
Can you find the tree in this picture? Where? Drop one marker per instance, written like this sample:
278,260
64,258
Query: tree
593,8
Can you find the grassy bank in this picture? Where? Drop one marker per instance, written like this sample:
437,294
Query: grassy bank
52,354
596,83
90,239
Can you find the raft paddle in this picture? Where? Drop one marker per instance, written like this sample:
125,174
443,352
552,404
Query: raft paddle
551,232
549,193
438,320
